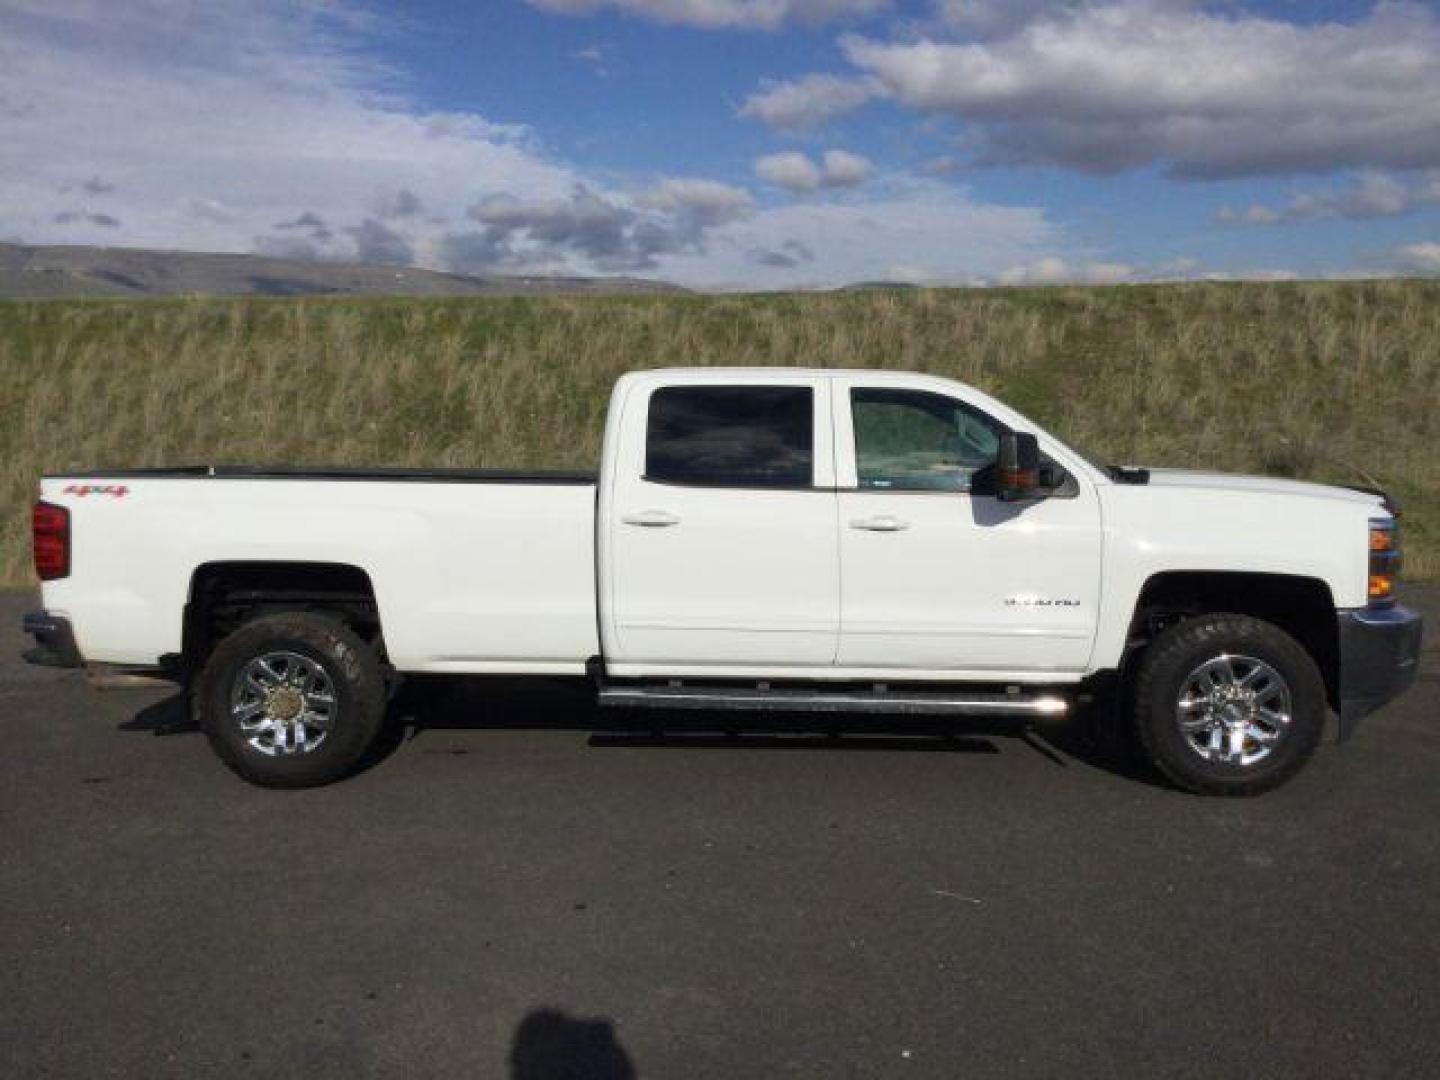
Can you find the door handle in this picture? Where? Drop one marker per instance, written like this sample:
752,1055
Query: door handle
651,519
880,523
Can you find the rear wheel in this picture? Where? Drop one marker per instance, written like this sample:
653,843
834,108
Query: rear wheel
1228,705
291,700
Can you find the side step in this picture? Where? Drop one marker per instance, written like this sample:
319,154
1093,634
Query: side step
790,699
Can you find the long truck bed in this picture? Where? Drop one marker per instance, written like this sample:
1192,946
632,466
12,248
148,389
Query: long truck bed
472,570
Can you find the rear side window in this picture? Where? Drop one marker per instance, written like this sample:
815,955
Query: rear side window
731,436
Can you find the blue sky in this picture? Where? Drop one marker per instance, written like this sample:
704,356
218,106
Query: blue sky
736,143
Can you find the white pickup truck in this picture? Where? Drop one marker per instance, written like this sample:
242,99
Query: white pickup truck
856,541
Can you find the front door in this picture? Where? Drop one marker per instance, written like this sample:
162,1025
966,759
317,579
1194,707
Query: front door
722,546
940,576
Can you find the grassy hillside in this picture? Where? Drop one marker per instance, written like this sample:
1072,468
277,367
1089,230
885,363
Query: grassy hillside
1327,381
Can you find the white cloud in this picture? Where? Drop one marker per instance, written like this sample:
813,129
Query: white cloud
213,130
1369,195
1053,270
1107,85
844,169
992,17
896,229
809,101
271,127
796,173
722,14
708,197
1424,257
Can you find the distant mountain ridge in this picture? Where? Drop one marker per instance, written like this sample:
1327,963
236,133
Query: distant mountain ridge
57,272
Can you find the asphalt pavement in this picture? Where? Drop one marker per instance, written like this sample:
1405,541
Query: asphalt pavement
506,893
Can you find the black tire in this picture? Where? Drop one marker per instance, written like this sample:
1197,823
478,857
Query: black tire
355,719
1163,673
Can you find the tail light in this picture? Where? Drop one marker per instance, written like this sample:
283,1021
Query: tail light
50,537
1384,559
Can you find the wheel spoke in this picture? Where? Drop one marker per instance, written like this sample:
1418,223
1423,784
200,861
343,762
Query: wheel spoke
266,664
244,711
261,727
318,721
1272,717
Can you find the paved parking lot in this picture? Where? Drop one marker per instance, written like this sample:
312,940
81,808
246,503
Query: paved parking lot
508,895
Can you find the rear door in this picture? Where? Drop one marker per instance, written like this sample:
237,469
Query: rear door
720,527
939,576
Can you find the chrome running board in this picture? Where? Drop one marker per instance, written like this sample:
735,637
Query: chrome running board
791,699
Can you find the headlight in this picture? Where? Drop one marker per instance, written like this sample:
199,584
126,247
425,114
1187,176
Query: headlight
1384,559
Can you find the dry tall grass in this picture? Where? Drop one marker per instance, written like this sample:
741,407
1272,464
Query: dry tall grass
1330,381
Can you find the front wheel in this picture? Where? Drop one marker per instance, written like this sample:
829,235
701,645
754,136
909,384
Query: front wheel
291,700
1228,705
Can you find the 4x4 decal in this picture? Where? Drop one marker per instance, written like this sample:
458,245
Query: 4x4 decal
118,491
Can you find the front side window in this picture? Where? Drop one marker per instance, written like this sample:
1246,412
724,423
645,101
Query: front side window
731,436
911,440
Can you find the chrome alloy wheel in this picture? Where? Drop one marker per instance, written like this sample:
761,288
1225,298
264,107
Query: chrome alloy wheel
1234,710
283,703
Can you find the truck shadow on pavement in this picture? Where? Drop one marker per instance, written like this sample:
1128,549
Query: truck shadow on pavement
437,704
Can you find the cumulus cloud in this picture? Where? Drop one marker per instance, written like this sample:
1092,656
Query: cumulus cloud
722,14
796,173
231,123
271,127
988,18
1053,270
1369,195
210,211
378,243
704,201
1107,85
898,229
809,101
402,203
1423,257
608,232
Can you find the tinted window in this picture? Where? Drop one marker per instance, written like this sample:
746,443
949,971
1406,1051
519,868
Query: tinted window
909,440
731,436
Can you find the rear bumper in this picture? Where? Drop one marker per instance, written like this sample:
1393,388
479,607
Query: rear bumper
54,641
1379,657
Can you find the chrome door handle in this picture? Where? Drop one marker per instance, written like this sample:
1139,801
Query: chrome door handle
651,519
880,523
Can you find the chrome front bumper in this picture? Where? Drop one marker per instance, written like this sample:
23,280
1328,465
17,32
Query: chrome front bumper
1379,657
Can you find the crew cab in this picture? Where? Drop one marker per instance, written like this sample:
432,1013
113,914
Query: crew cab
851,541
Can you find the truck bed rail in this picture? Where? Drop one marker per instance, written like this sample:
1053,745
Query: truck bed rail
325,472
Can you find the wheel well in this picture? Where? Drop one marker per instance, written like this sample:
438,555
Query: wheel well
1301,606
224,596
